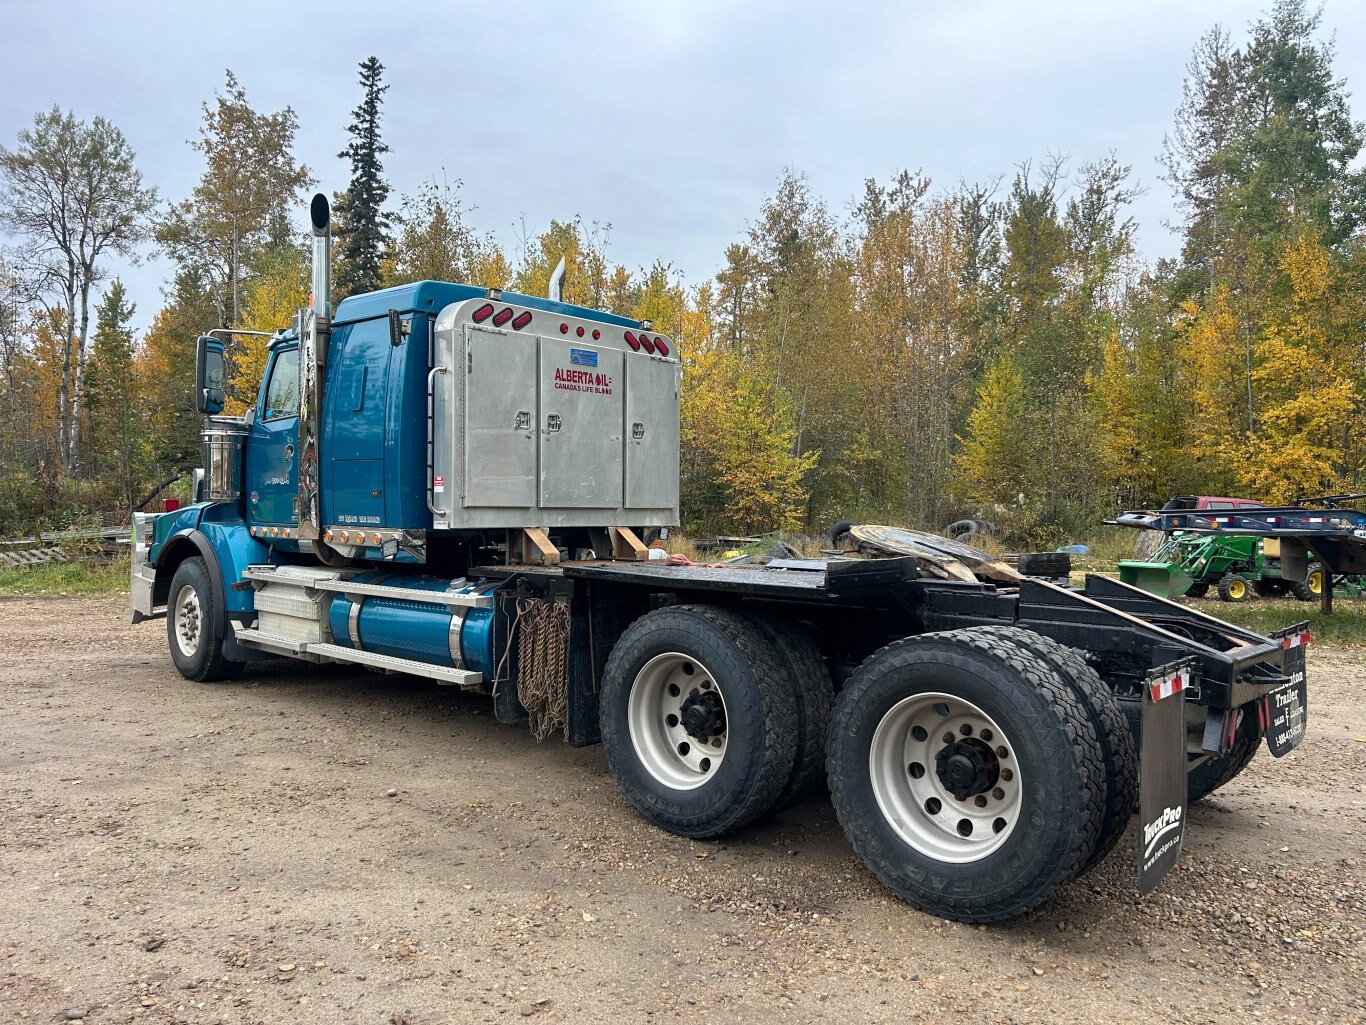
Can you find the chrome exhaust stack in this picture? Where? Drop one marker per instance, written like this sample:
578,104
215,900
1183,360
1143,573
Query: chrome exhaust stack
555,291
315,331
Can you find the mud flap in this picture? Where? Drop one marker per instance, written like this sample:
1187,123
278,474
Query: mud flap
1282,713
1162,773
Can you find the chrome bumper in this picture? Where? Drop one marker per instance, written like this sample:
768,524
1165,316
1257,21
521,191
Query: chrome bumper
142,577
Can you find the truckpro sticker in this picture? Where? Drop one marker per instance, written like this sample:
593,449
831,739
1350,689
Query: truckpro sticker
1162,775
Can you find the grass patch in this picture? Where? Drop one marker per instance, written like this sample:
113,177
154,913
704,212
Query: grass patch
1345,628
89,579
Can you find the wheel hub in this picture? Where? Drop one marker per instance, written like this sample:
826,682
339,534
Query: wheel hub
703,715
967,768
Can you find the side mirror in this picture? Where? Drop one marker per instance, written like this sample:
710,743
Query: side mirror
209,392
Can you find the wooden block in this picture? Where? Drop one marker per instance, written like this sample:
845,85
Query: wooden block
545,553
625,544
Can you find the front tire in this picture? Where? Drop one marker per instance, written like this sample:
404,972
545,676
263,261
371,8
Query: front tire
966,774
196,626
1233,587
698,720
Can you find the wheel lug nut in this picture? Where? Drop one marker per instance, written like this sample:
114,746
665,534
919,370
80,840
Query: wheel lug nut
999,794
965,729
985,735
1007,775
980,801
949,738
1001,752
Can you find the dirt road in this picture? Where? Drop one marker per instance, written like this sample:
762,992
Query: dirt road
311,844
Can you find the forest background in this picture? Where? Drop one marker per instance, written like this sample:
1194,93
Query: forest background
935,350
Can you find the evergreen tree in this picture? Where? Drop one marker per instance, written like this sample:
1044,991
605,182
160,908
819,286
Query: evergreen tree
363,231
115,421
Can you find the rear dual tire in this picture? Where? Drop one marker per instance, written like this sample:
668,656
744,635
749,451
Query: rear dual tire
936,736
698,720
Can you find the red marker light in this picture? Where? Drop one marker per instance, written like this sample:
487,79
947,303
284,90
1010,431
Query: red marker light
579,332
596,334
649,345
632,342
661,346
504,315
564,329
483,313
523,319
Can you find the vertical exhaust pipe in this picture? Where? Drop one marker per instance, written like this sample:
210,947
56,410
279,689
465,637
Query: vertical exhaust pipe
320,219
315,331
556,290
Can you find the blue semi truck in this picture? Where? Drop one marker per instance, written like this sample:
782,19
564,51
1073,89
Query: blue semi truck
460,483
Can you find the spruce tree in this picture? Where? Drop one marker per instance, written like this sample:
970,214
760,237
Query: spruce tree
363,228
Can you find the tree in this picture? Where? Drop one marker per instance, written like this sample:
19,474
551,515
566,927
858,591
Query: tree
363,235
245,199
166,371
72,192
278,288
435,244
115,419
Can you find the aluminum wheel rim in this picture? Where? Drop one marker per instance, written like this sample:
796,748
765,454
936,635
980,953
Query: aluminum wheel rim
189,619
914,799
664,689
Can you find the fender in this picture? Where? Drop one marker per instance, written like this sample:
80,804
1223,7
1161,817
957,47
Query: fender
227,547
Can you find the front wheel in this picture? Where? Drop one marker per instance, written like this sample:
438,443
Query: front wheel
966,774
1234,587
196,626
698,719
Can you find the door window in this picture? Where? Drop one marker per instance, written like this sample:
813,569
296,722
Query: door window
282,392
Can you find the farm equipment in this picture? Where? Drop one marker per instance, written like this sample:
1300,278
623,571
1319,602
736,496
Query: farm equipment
1189,564
1315,533
452,482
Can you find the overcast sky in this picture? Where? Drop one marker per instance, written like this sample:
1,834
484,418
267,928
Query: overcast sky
669,120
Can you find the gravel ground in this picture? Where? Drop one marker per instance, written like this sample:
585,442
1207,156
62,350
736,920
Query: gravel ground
325,845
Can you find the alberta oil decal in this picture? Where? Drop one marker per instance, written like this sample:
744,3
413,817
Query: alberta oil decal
582,375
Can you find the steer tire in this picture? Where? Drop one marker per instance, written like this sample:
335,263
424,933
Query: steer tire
815,695
969,681
1209,776
1118,752
705,650
197,651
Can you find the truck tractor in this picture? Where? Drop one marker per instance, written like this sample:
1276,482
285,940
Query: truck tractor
459,483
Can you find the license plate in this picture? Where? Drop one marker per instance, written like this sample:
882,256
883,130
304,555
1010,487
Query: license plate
1284,711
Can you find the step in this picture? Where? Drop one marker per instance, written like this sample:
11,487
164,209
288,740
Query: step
464,678
274,643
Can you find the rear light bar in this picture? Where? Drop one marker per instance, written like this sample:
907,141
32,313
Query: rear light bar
504,315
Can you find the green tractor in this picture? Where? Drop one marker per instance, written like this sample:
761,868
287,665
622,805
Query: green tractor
1237,566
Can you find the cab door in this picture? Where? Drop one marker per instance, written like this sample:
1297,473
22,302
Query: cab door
272,473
